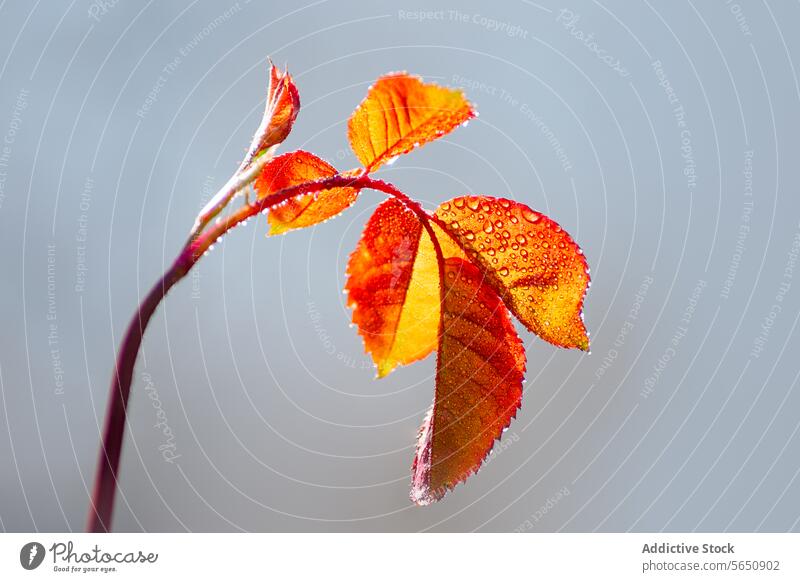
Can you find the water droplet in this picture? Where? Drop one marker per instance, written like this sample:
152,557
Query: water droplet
499,224
503,271
473,204
469,235
487,227
459,202
521,239
530,215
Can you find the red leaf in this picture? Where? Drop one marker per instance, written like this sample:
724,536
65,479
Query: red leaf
308,209
393,288
479,376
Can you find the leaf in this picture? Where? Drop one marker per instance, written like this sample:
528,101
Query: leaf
283,104
307,209
479,375
401,112
393,288
533,264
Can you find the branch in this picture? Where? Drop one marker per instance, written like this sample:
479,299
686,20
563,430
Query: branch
107,471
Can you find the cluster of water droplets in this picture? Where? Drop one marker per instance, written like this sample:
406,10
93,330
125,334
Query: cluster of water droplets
520,246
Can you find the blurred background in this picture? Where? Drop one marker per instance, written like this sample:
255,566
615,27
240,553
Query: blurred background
661,135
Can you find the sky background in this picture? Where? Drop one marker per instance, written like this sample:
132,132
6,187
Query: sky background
661,135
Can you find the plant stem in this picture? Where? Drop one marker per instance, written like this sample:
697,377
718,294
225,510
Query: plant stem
108,464
107,470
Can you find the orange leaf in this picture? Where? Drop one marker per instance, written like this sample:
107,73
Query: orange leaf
308,209
532,263
479,377
283,104
401,112
393,288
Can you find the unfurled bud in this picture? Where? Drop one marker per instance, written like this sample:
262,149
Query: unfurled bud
283,103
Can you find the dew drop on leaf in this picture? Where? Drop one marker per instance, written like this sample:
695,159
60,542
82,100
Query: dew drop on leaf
530,215
518,261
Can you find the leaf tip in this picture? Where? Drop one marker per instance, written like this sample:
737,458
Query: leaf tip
421,493
277,229
384,368
583,342
422,496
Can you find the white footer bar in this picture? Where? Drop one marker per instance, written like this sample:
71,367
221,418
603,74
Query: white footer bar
408,557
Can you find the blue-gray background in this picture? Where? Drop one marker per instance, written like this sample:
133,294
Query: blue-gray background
666,143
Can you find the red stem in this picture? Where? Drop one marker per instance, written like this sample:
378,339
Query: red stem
107,470
107,465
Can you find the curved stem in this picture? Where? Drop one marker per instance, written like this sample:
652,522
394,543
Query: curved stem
106,474
243,177
108,464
